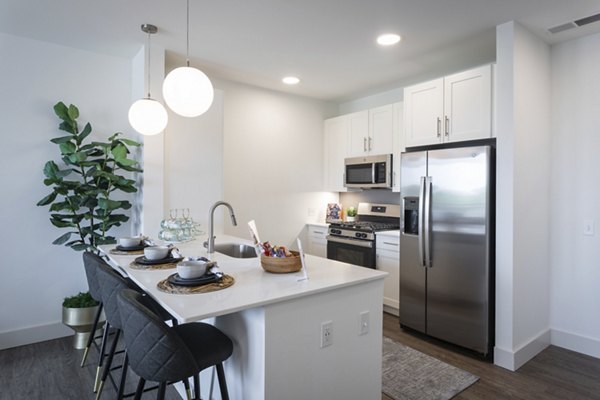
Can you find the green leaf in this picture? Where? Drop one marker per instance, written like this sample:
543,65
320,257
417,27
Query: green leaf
47,200
67,148
63,173
87,129
60,205
63,238
62,139
77,157
62,224
60,109
131,169
67,127
50,169
129,142
73,112
126,162
119,152
113,137
81,246
125,205
107,204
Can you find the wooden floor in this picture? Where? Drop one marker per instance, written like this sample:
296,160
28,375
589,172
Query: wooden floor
555,373
50,370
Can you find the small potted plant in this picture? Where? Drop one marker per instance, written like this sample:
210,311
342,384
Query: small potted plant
351,214
78,313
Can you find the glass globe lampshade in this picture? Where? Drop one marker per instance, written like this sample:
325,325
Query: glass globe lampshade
148,116
188,91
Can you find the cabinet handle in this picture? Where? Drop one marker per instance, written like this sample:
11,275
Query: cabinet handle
391,244
439,127
370,143
447,126
318,232
364,144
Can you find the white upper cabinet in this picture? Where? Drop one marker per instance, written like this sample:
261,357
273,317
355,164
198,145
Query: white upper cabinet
336,139
359,132
371,132
454,108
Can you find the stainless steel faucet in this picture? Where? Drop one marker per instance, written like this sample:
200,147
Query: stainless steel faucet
211,215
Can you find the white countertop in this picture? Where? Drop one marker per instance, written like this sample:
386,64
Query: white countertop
320,224
253,286
395,233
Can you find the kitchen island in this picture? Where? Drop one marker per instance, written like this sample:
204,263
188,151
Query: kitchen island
275,322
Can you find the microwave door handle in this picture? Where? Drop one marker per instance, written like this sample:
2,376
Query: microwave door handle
373,165
420,221
427,221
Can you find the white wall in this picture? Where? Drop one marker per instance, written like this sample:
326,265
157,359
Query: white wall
273,160
523,187
193,154
575,177
34,75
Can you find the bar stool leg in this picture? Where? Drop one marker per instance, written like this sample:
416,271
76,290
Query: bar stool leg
197,386
140,389
222,382
123,377
108,364
161,391
101,359
91,338
188,391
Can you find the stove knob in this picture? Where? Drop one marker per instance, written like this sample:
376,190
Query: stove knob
363,235
358,234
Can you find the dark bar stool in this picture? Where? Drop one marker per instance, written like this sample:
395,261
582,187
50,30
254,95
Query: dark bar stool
164,354
89,262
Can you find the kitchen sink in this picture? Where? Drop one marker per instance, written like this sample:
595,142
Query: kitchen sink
236,250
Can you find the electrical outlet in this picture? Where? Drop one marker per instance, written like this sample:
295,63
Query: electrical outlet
588,227
326,333
363,323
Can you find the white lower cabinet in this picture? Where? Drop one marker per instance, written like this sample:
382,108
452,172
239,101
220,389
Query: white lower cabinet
317,240
388,260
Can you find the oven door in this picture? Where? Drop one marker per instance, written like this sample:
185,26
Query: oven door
352,251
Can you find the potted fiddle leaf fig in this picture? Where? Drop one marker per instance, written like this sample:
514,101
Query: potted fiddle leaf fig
85,186
86,183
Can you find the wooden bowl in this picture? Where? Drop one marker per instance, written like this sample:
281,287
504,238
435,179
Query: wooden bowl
281,265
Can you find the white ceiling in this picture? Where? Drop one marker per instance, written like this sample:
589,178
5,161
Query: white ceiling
329,44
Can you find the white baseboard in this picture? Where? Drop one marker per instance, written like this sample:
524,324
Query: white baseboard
574,342
391,310
513,360
33,334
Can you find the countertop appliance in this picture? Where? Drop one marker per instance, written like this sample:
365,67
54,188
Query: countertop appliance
368,172
447,244
354,242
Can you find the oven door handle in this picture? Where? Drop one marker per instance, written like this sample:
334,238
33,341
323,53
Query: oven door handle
353,242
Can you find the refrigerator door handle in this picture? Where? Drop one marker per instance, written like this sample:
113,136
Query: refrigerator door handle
427,222
421,221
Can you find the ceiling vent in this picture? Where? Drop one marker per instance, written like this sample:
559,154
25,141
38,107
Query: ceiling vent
575,24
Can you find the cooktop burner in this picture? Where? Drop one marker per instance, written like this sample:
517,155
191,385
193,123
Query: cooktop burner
367,226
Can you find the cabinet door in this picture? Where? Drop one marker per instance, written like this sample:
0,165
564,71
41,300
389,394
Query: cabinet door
398,109
381,130
359,133
468,105
389,261
423,112
317,242
336,141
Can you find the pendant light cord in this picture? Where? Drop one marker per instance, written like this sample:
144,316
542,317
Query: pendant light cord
149,68
187,45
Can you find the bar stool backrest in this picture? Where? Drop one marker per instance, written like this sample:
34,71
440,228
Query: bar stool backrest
90,262
156,352
111,283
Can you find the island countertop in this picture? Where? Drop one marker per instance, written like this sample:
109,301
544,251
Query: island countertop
253,286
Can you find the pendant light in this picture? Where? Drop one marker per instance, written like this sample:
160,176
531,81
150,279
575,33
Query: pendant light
148,116
187,90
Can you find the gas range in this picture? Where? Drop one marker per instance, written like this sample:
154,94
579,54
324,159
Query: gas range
370,219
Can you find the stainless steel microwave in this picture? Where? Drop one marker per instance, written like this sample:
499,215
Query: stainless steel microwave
368,172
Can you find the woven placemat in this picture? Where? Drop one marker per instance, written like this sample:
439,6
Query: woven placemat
134,265
167,287
126,253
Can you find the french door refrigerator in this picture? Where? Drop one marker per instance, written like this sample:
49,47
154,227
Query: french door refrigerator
447,244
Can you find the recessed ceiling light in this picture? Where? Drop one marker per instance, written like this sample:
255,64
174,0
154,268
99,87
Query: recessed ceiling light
388,39
291,80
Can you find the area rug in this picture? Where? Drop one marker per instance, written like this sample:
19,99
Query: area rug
409,374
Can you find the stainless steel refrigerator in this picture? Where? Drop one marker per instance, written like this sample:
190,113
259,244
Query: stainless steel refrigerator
447,244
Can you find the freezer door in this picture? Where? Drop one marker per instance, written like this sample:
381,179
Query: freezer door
412,272
457,280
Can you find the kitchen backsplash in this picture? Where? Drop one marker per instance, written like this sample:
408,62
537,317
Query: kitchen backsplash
379,196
